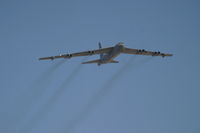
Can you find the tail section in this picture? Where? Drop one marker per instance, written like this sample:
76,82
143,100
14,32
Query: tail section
101,55
100,45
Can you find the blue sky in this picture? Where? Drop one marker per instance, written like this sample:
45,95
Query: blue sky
140,94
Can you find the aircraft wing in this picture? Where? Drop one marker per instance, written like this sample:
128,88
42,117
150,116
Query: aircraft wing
84,53
143,52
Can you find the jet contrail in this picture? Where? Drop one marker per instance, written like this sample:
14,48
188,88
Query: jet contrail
103,91
51,101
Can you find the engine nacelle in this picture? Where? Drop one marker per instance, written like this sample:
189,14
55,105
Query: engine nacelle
52,58
68,55
156,53
91,52
141,50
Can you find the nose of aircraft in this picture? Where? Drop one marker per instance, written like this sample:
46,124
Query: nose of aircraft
120,44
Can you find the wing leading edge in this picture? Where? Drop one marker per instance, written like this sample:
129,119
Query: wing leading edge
85,53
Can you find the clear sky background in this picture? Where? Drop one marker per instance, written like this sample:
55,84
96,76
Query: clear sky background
140,94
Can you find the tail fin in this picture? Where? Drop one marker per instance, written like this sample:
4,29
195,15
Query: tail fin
100,45
101,55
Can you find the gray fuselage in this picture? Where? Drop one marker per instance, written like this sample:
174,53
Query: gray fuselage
107,58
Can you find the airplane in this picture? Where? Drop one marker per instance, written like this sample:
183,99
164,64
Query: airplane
108,54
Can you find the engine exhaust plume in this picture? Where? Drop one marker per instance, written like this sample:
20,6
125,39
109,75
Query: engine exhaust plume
98,96
30,97
32,122
130,64
40,85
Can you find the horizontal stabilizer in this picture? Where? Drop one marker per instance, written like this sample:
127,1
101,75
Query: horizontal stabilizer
92,61
114,61
98,61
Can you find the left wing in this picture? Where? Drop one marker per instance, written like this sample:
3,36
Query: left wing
143,52
85,53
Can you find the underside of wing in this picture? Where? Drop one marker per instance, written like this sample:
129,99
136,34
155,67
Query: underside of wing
85,53
143,52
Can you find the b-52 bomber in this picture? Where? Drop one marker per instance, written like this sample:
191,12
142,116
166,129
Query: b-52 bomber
108,54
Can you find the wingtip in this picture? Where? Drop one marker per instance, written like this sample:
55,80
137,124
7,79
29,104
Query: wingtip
170,54
167,55
40,58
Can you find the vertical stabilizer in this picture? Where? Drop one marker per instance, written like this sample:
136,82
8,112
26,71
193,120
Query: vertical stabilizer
100,45
101,55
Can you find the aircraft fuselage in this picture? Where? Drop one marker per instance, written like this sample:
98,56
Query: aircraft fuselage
107,58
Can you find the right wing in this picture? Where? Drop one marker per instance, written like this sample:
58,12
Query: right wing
143,52
84,53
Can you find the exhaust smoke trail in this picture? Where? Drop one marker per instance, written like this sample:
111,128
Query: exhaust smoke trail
40,85
33,93
51,101
45,77
103,91
97,97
